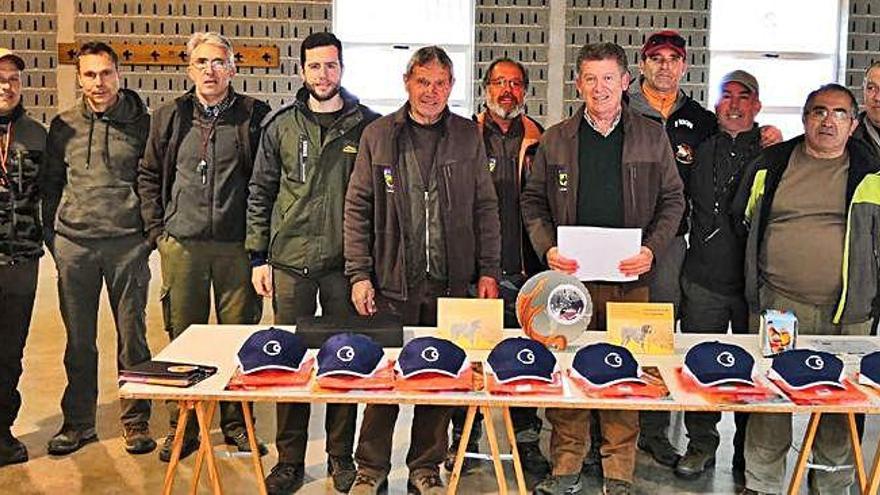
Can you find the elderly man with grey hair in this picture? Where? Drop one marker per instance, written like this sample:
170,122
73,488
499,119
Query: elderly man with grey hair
420,181
193,185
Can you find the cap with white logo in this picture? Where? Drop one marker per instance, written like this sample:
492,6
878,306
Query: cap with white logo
271,349
351,354
519,358
803,368
431,355
716,363
603,365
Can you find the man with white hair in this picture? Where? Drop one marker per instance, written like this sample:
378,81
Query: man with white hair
193,185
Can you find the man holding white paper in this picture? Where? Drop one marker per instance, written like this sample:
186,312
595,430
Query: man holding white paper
604,167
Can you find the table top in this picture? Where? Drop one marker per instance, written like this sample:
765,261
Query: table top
216,345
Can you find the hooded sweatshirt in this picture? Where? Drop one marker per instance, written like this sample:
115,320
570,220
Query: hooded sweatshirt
91,170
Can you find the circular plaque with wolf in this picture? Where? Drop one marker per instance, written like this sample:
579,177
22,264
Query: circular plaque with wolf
554,308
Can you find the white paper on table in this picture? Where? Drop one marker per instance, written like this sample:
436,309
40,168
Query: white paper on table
599,250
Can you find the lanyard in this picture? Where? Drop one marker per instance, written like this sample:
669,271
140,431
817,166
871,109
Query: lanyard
206,136
4,154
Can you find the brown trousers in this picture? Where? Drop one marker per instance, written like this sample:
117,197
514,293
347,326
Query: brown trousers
428,436
620,429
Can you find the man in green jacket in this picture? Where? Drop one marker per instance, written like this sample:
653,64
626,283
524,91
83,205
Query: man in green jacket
294,235
94,231
22,144
193,189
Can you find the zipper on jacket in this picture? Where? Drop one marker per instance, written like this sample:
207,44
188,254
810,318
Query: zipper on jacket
427,235
632,187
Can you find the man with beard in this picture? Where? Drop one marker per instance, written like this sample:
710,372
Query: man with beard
22,144
193,185
297,196
511,139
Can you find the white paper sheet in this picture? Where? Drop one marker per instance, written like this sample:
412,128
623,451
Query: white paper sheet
599,250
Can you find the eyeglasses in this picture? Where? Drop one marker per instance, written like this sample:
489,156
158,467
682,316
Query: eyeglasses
216,64
837,114
12,81
511,83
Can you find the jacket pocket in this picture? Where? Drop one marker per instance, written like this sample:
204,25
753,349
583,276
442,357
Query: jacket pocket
100,210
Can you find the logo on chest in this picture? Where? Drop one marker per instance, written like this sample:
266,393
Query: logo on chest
388,176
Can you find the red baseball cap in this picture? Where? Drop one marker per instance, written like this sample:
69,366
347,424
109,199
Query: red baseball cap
664,39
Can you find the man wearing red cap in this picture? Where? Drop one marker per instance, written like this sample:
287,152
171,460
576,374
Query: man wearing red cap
22,144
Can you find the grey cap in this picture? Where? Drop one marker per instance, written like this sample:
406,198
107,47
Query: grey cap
741,77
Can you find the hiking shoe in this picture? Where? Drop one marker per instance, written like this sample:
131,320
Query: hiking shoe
694,463
137,438
660,449
425,482
285,478
239,439
364,484
190,445
559,484
468,464
12,451
342,471
617,487
70,439
532,460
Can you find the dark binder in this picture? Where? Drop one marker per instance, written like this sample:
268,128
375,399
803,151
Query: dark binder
385,329
167,373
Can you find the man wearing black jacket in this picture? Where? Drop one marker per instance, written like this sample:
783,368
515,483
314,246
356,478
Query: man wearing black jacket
712,282
23,142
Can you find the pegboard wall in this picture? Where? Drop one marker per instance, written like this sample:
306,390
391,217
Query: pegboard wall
29,27
628,23
863,41
284,24
518,29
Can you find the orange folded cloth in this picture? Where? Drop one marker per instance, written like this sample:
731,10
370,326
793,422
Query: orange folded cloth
525,386
824,394
436,382
272,378
646,390
381,379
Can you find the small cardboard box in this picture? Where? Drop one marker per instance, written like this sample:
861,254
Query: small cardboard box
778,332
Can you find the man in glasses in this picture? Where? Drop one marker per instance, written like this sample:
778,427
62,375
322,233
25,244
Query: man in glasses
511,139
297,196
193,188
810,249
22,144
93,228
712,280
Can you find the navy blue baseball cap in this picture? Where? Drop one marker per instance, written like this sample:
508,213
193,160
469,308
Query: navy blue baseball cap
431,355
350,354
603,365
802,368
518,358
716,363
869,369
271,349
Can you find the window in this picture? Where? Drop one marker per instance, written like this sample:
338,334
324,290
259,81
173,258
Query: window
792,47
379,36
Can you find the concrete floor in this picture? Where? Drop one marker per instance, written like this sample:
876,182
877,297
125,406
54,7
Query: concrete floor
105,468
